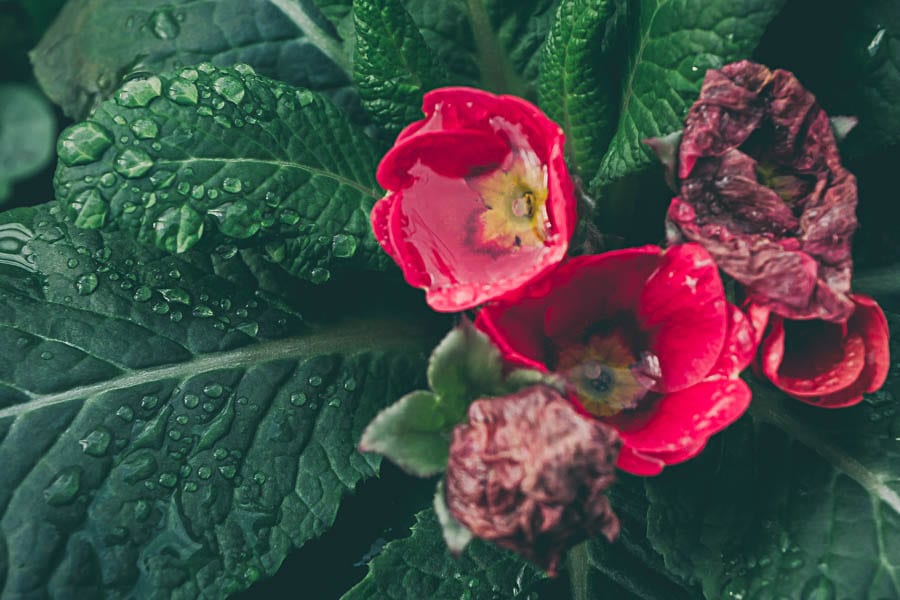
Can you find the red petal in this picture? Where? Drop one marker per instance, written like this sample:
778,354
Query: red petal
869,322
683,308
516,330
816,357
741,341
591,289
380,217
638,464
454,154
683,419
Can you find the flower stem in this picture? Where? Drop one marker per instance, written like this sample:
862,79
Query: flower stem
497,74
577,564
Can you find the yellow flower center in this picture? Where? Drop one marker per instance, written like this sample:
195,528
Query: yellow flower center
514,199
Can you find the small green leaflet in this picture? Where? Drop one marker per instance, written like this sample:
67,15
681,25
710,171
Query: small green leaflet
671,45
164,430
794,502
420,566
94,43
392,65
415,431
226,156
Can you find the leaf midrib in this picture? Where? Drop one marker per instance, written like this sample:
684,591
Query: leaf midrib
357,336
281,164
766,408
329,46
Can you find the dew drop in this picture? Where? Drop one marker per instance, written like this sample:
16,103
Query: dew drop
96,442
319,275
45,355
86,284
202,311
142,294
83,143
204,472
64,487
343,245
168,480
213,390
88,209
132,163
139,92
125,413
315,381
298,398
232,185
72,263
145,129
191,401
230,88
227,471
183,92
149,402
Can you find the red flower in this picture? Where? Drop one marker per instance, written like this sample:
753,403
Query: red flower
645,340
530,474
828,364
763,189
479,199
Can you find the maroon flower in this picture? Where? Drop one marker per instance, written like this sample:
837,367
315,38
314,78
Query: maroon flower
763,189
828,364
479,199
645,340
529,473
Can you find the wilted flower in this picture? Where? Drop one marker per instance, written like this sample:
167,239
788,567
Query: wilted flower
763,189
479,202
645,340
529,473
828,364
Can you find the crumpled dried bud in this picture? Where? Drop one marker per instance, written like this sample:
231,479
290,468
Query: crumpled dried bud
763,190
529,473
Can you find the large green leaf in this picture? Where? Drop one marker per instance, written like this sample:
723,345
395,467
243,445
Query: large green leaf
671,45
392,64
167,432
577,87
94,43
795,502
629,568
420,566
852,63
494,44
229,156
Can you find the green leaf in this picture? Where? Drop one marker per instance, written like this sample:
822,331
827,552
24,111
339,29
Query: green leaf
27,132
851,64
415,432
796,500
165,431
229,156
494,44
456,535
576,86
93,44
672,44
420,566
628,567
392,65
412,433
464,367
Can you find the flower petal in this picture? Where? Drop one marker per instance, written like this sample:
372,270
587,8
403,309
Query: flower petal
683,308
682,419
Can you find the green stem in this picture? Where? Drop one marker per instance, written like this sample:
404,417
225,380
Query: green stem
497,74
578,566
